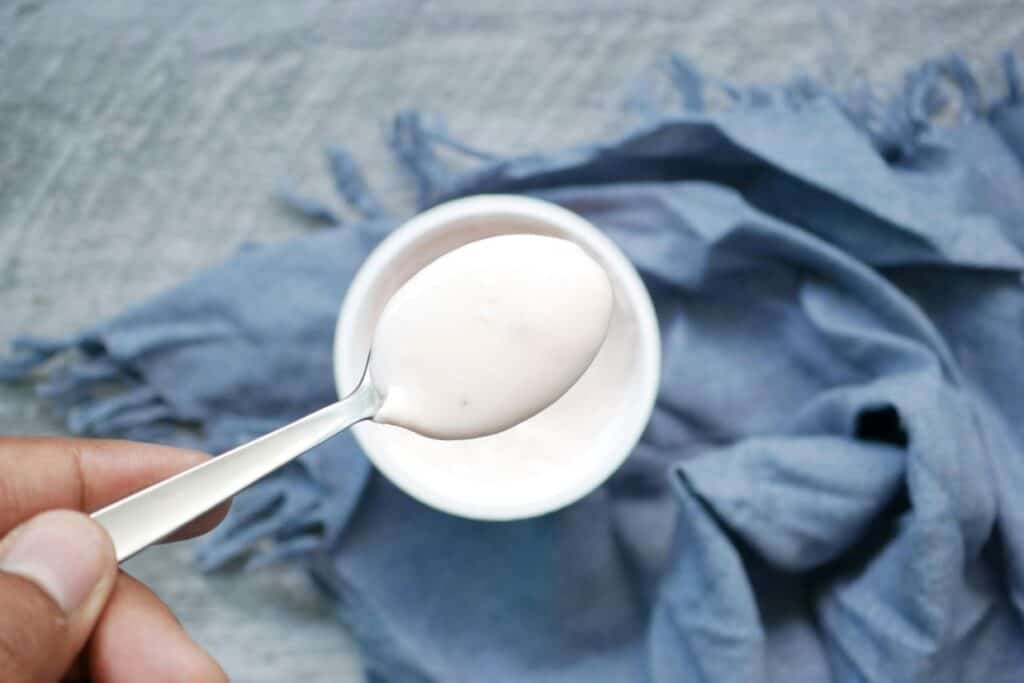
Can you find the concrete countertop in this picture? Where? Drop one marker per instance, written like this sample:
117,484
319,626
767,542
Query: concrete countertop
140,142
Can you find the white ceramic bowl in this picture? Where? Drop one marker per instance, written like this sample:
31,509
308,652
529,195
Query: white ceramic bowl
628,406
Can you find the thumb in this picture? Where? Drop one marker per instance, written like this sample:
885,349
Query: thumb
56,571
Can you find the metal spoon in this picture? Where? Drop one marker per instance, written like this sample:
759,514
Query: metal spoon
536,279
154,513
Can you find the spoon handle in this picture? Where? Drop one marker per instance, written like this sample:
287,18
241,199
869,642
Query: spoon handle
153,513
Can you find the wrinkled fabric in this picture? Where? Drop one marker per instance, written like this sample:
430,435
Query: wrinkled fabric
829,488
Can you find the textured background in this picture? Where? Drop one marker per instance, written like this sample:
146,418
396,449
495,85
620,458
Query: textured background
139,142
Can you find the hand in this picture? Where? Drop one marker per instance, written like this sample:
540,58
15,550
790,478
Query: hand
65,609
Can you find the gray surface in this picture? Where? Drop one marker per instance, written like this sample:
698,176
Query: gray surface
139,142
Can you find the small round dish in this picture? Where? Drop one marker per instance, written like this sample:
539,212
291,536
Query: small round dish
559,455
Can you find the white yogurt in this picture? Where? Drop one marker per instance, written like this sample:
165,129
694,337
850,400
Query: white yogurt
489,335
558,455
534,459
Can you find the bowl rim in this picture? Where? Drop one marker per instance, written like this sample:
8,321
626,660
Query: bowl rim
648,365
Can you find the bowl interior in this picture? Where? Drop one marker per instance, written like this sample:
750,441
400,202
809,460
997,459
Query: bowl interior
550,460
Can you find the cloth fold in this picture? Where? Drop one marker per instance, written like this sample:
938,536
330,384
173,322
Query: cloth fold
829,486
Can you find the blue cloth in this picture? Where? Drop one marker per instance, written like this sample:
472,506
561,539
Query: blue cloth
830,486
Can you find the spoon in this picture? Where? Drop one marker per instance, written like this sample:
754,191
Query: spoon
145,517
479,340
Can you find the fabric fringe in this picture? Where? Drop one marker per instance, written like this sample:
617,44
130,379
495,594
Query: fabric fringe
1011,72
895,125
290,515
411,143
688,82
30,354
350,183
280,509
417,146
309,208
94,394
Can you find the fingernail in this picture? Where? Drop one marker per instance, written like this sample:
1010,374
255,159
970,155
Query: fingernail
62,552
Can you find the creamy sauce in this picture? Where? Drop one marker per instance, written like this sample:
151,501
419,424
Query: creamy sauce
488,336
536,455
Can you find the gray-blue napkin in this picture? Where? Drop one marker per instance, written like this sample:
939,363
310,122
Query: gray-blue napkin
831,487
